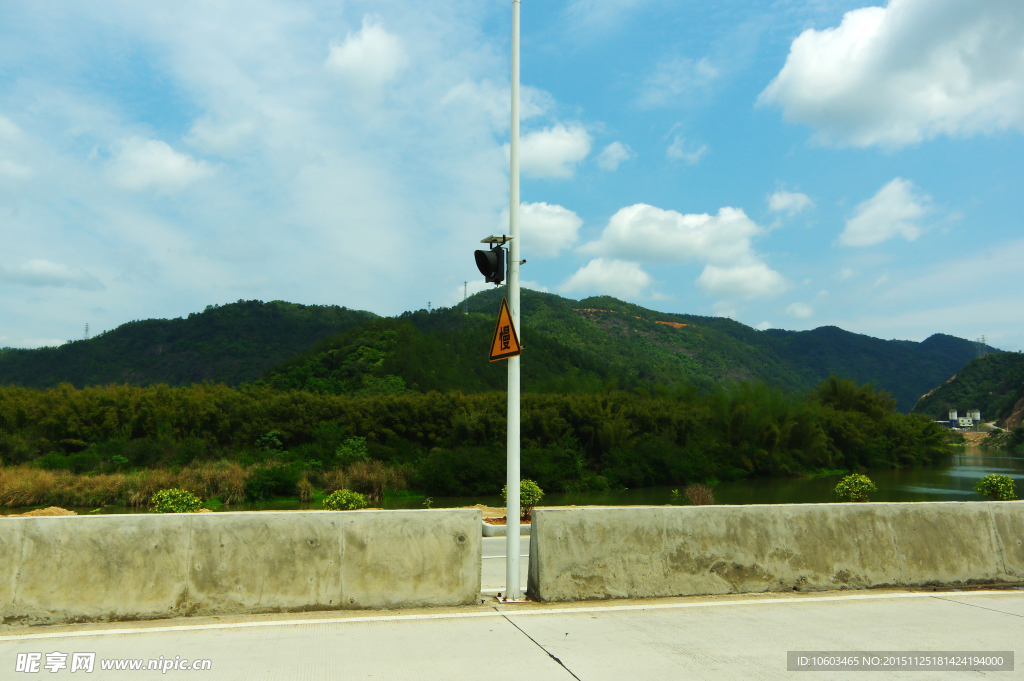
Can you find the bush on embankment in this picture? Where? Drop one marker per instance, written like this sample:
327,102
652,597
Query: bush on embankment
442,444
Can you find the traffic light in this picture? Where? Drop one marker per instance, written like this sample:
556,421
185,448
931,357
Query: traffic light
491,264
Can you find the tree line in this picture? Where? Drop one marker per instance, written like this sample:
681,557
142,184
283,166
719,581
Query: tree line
454,444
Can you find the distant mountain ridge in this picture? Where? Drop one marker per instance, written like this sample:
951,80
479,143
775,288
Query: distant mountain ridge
581,345
231,344
569,346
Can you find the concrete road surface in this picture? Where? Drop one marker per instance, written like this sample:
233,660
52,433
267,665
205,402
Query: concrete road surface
492,566
727,637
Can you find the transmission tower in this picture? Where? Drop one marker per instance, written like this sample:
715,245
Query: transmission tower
85,336
465,297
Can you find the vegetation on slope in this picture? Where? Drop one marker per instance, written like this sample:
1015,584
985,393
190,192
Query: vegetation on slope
228,344
570,347
595,343
992,383
452,443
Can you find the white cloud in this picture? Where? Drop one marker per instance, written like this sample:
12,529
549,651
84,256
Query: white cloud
677,79
222,137
644,232
315,194
533,286
614,154
755,280
800,310
590,16
648,234
368,58
617,278
789,202
546,229
910,71
14,170
42,343
554,151
845,274
466,289
8,129
496,101
890,213
12,135
724,309
141,164
681,150
763,326
41,273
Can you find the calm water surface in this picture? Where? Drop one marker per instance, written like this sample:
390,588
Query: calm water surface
952,480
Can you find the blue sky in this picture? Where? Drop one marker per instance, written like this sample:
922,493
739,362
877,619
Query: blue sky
787,164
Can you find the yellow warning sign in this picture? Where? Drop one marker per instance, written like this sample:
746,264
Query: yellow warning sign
506,341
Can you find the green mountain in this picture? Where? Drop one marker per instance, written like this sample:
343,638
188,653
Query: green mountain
993,384
569,346
229,344
574,346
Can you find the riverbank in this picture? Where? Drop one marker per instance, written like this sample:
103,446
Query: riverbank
952,479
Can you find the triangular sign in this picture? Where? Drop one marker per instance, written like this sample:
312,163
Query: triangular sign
505,343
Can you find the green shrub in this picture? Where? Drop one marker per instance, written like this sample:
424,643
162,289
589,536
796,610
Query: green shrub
999,487
53,461
352,450
175,501
530,495
344,500
462,471
855,487
270,442
272,480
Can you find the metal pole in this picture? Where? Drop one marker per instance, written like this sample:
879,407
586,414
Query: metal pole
512,589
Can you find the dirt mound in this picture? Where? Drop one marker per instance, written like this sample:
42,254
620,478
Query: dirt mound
490,511
51,510
975,438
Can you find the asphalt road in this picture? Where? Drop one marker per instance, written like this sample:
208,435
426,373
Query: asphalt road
727,637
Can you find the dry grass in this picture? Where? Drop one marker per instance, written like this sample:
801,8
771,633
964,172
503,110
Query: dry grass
373,478
699,495
26,486
305,488
333,480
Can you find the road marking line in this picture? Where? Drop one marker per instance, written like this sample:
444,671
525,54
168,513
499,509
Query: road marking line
500,613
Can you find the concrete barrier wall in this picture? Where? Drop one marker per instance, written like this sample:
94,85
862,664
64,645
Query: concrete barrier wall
594,553
117,567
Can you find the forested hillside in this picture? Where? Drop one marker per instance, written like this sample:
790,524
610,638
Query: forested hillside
569,346
993,384
227,344
574,346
